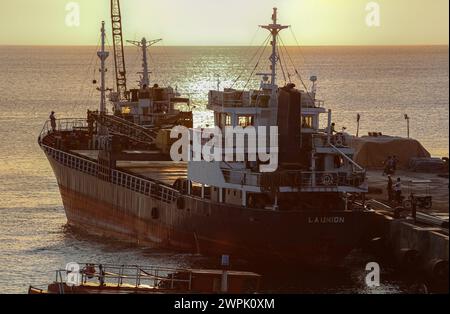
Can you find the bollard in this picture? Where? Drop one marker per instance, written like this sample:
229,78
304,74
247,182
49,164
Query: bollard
437,270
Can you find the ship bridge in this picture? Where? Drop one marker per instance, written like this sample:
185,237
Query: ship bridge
244,108
313,161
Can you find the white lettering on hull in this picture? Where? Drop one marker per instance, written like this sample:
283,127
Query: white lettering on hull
326,220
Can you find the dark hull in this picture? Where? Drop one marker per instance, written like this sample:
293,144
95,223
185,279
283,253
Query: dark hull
310,237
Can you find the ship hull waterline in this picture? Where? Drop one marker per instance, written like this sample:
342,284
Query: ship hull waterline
204,227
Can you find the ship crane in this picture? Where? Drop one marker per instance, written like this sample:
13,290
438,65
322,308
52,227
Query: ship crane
119,56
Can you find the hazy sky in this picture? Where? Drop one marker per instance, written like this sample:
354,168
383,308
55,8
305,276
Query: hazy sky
227,22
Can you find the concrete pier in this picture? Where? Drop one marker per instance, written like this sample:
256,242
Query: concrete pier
413,245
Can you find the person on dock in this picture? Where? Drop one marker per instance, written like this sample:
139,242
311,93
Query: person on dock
387,166
398,190
53,121
389,188
394,163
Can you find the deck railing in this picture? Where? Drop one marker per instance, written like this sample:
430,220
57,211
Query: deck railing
129,276
242,99
135,183
295,179
62,125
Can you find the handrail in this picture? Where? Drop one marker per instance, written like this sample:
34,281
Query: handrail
128,274
347,158
124,127
66,124
138,184
135,183
303,179
244,99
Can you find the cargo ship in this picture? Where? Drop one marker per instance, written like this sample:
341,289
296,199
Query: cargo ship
117,178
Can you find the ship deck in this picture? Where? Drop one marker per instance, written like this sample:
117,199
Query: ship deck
163,171
420,183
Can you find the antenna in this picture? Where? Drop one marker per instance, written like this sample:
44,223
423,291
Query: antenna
274,29
144,44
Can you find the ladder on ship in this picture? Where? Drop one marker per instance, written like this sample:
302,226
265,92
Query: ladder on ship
123,127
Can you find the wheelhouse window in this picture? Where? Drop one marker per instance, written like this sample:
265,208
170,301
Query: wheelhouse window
307,122
126,110
245,121
227,119
223,119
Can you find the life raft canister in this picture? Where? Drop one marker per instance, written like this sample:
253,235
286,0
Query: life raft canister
327,179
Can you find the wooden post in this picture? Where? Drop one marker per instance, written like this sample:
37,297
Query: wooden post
358,117
407,124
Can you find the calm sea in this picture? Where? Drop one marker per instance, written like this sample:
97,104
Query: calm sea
380,83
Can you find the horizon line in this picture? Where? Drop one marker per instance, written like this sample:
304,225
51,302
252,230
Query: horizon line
236,46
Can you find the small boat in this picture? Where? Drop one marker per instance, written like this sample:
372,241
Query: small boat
123,279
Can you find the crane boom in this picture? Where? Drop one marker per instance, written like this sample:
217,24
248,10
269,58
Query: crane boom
119,56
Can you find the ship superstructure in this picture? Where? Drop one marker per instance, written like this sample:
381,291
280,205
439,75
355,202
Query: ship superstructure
148,104
315,165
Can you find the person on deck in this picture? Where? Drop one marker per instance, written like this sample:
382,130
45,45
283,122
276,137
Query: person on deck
331,129
53,120
390,191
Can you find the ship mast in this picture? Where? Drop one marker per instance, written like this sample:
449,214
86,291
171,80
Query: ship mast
103,55
144,44
274,29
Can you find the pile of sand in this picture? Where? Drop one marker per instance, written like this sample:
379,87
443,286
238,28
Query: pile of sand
371,152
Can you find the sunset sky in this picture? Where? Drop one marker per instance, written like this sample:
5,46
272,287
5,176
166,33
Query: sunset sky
228,22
